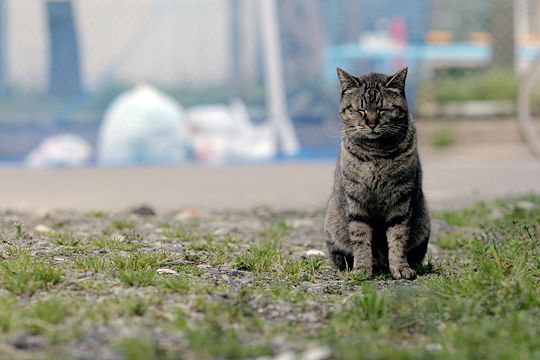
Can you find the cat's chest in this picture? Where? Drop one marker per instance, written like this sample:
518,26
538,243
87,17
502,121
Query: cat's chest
372,180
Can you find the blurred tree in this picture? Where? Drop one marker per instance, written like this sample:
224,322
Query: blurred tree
302,40
64,73
501,13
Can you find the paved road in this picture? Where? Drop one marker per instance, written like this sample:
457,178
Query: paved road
449,181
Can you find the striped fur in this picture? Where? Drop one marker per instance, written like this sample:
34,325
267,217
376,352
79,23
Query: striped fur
377,217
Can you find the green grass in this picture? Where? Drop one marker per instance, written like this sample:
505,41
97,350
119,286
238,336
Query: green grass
453,241
23,275
124,243
492,84
481,301
443,138
39,317
180,234
259,257
137,349
119,225
66,239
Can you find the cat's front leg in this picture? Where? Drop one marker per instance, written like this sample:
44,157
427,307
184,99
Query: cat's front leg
360,235
397,236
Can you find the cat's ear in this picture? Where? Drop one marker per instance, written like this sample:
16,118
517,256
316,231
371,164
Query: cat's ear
397,81
346,80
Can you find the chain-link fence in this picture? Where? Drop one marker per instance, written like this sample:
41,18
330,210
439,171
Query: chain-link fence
62,63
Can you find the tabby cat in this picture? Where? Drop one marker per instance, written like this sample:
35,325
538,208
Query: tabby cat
377,219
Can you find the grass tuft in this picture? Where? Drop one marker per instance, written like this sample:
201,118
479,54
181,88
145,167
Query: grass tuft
23,275
259,257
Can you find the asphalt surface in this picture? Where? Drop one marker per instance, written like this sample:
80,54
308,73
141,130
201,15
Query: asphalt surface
450,180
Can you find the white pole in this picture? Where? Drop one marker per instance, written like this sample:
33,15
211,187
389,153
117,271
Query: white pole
275,90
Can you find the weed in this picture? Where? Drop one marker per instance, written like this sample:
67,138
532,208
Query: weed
8,304
452,241
66,238
44,313
91,263
20,233
180,234
144,277
119,225
139,260
114,243
356,277
23,275
259,257
137,348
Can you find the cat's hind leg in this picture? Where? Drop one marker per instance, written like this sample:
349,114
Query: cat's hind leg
420,231
337,237
342,260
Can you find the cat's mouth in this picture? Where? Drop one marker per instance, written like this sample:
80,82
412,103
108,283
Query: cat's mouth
373,134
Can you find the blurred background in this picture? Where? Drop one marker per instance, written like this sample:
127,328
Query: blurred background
116,82
106,104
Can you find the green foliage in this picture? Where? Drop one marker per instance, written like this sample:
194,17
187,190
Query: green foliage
91,263
119,225
138,269
44,313
452,241
180,234
115,243
492,84
443,138
259,257
480,302
143,277
137,348
8,304
22,275
66,238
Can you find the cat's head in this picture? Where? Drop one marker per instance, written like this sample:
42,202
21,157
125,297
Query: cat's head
373,105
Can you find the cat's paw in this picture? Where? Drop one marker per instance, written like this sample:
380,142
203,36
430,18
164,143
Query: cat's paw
403,272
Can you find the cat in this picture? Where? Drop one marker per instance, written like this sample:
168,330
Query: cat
377,218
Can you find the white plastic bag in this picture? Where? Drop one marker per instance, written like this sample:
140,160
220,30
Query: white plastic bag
142,126
220,133
62,150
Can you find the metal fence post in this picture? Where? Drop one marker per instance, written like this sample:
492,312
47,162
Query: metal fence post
64,77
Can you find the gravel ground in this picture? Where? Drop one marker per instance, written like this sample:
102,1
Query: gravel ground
203,248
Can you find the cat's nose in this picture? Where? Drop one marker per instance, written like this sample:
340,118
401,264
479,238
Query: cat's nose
372,120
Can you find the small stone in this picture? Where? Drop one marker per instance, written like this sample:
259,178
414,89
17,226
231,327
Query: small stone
28,342
143,210
188,214
167,271
314,253
318,353
59,259
222,231
40,228
525,205
118,237
300,223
